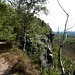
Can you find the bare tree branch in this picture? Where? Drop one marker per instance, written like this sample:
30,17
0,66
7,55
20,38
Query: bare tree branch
64,61
69,70
71,65
71,27
62,7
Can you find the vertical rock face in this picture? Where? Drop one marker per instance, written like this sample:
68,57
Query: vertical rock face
46,57
42,48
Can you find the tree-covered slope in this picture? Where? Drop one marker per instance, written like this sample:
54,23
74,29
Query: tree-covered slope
28,43
19,27
69,48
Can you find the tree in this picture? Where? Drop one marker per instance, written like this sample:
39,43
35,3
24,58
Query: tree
63,71
3,8
6,22
25,9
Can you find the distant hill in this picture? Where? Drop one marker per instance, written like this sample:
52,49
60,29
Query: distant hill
69,32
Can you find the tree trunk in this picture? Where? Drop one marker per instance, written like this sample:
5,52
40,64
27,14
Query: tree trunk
24,46
60,60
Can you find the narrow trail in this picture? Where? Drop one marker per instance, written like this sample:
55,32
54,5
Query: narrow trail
3,66
6,65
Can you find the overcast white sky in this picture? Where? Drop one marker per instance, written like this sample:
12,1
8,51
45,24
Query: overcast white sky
57,17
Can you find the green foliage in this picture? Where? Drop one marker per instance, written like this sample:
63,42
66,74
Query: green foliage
3,9
71,40
55,54
44,72
6,22
18,20
67,60
33,7
50,71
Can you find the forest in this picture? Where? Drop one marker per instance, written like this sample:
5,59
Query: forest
28,46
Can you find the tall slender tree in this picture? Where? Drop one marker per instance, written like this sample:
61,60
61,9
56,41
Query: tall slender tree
25,9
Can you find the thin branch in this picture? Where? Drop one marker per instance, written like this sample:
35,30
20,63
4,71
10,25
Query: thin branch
69,70
71,65
64,61
62,7
70,27
66,19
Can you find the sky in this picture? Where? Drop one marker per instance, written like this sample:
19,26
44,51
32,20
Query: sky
57,18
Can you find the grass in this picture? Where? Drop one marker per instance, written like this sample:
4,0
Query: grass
19,62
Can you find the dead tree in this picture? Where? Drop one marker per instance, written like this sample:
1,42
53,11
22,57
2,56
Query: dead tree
63,42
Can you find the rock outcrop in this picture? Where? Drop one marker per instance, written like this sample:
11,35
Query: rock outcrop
46,58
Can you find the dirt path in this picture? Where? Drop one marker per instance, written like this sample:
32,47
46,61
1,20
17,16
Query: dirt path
3,64
4,67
